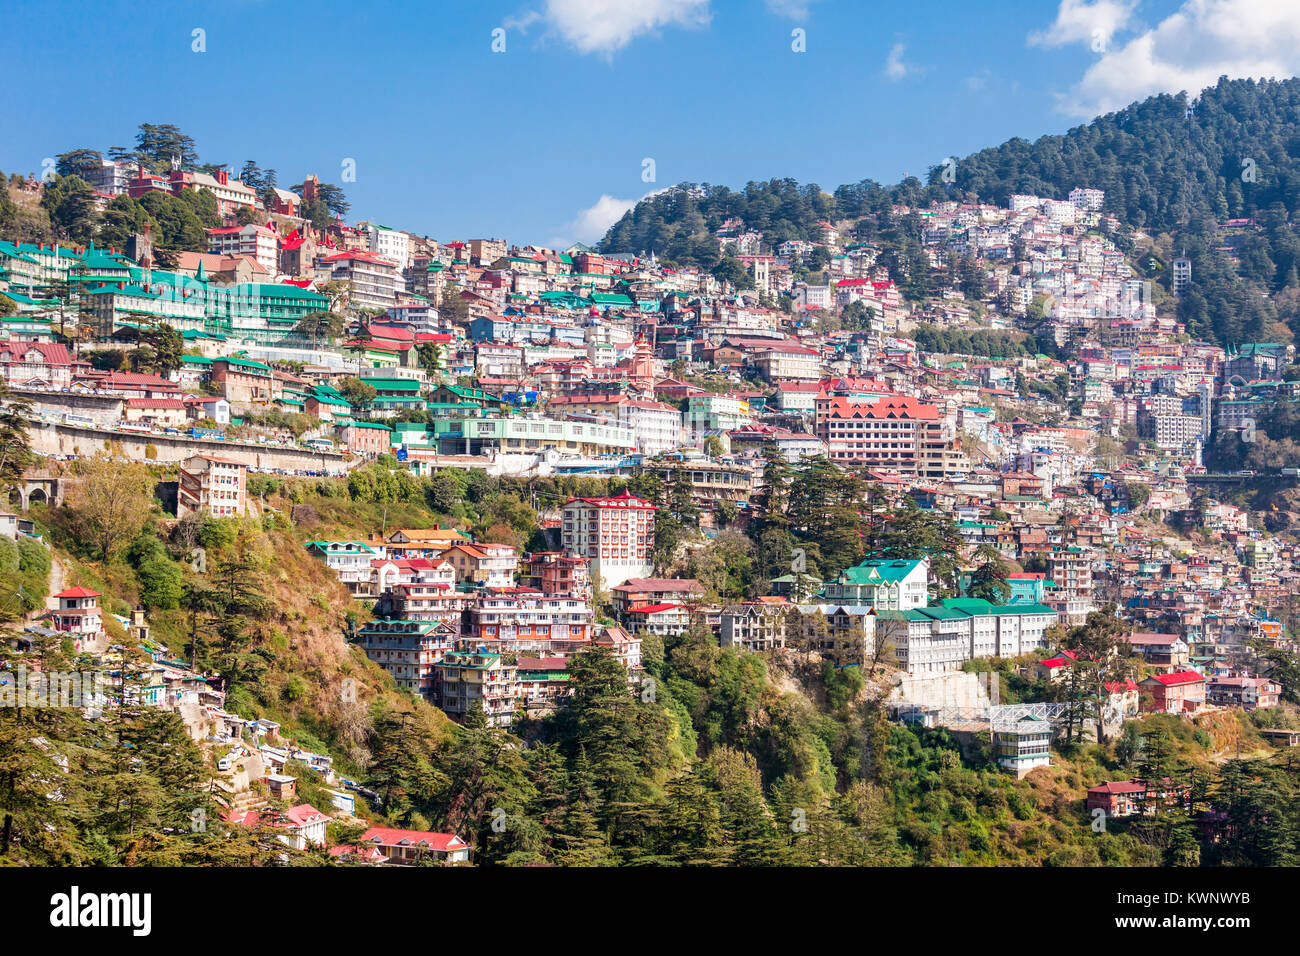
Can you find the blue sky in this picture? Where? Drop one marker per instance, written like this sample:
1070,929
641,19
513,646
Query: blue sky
546,141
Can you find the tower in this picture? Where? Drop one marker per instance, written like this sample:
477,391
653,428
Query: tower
643,367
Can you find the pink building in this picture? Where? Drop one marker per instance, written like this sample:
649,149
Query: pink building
367,438
1182,692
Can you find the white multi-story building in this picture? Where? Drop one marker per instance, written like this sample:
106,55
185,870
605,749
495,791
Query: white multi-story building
373,279
717,412
786,360
656,426
478,679
1090,200
942,637
211,484
1024,745
352,561
112,179
617,534
409,650
1071,592
256,242
390,243
814,296
753,626
524,620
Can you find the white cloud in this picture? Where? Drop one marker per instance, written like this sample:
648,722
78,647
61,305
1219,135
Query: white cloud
1081,21
592,223
1189,50
606,26
895,67
978,81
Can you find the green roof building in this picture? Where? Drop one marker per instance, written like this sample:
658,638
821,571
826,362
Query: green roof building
892,585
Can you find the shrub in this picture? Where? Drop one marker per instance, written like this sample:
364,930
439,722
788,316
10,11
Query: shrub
160,583
217,534
8,556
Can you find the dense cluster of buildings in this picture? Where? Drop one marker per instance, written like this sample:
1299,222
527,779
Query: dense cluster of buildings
530,361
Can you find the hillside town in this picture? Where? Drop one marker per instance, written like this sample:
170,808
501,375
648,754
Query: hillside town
1041,400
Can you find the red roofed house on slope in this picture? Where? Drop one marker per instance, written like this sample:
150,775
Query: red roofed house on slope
1124,798
1182,692
491,565
78,615
132,384
662,619
1124,697
35,363
166,412
347,853
1054,668
636,591
624,646
542,682
408,846
302,825
1121,798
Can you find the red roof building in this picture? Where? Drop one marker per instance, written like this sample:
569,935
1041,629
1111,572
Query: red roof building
79,616
616,533
304,825
35,363
895,432
408,846
1182,692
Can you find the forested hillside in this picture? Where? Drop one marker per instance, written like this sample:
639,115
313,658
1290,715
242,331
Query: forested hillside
719,756
1175,167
